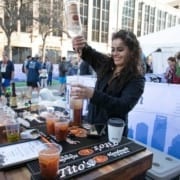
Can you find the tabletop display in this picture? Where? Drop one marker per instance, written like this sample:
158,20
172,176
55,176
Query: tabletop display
81,153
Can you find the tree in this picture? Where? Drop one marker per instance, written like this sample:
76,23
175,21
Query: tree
13,12
51,20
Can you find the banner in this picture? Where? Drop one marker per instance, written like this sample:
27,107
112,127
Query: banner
155,120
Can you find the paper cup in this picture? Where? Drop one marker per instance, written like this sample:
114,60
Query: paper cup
115,130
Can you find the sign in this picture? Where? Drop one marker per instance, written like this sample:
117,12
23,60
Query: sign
155,120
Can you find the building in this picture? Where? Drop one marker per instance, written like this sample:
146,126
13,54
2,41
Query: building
174,3
100,18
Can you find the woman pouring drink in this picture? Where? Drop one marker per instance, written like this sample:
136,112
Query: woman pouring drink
120,81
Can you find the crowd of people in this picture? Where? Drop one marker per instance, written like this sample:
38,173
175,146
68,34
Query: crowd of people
39,73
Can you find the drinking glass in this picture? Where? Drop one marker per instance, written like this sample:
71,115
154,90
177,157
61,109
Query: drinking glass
12,130
76,106
49,158
61,129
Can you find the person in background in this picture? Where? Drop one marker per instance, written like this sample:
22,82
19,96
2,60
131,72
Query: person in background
143,62
149,67
84,68
170,69
120,80
49,67
62,76
28,58
33,70
176,77
7,71
72,68
43,75
0,85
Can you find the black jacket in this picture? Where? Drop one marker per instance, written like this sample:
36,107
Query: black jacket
0,83
62,69
116,102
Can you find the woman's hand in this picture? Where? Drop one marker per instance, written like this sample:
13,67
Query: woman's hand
79,43
79,91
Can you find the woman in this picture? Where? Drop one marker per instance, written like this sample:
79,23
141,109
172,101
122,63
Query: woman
120,81
62,76
170,69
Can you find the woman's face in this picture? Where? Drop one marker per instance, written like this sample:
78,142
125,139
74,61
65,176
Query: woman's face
171,63
119,52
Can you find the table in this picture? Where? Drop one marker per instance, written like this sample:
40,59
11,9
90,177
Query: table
128,168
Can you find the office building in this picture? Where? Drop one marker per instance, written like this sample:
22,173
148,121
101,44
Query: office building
100,18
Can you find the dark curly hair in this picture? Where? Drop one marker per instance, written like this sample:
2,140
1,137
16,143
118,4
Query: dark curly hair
132,66
173,59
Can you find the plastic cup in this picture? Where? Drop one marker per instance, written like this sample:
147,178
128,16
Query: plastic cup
76,106
12,131
61,129
49,158
50,123
115,130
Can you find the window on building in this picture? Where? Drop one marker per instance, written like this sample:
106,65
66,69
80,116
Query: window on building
53,55
57,18
152,19
140,6
178,20
173,23
146,19
26,20
105,21
96,20
84,16
158,27
19,54
128,15
169,20
161,20
44,16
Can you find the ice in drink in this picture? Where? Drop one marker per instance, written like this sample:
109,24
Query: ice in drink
76,107
49,161
61,129
50,121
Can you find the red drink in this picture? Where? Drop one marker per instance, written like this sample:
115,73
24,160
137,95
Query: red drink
76,106
77,117
50,121
49,161
61,130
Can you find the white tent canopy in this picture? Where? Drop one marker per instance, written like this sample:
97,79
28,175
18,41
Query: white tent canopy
166,40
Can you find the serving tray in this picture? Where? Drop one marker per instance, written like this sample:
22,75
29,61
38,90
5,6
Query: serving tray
73,163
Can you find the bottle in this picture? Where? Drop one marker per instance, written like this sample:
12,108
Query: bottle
73,20
13,100
7,95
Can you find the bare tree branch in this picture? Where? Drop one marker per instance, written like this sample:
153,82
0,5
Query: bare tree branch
12,14
51,20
